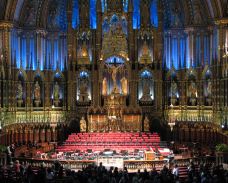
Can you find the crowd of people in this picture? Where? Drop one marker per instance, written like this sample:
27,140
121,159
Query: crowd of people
24,173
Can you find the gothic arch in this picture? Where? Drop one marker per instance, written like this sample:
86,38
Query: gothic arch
24,74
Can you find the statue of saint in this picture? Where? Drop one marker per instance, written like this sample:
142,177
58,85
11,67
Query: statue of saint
124,85
83,91
209,88
104,86
83,124
145,49
173,89
37,91
19,91
56,91
146,93
146,124
84,52
83,87
192,90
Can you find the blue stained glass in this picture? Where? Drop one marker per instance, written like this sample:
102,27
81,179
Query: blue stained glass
154,13
62,17
175,53
125,5
75,14
84,74
146,74
93,14
114,60
104,5
136,14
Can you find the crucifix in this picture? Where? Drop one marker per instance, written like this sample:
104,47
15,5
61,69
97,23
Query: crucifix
114,70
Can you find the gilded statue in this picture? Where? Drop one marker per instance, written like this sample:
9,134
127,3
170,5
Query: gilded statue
209,88
124,85
192,90
146,124
173,89
56,91
146,97
83,95
83,87
37,91
82,124
84,52
145,49
19,91
104,86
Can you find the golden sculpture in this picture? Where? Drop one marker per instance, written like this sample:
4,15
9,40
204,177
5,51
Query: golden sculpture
37,91
82,124
146,124
145,57
19,91
124,85
104,86
145,49
56,91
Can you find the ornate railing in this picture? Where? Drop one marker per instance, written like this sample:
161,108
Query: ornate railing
67,164
141,164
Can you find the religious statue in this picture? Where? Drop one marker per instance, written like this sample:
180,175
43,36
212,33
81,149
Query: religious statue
56,91
145,49
173,89
176,15
146,124
82,124
104,86
146,97
209,92
37,91
114,71
83,96
145,57
19,91
209,88
124,85
84,52
192,90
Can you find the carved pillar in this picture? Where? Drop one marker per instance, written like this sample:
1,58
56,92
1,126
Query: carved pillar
47,96
13,136
31,135
26,136
17,136
21,136
42,134
48,135
54,134
36,135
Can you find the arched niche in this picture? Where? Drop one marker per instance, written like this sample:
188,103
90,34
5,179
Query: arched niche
84,86
173,88
57,90
115,75
146,87
115,23
207,87
21,88
192,90
37,95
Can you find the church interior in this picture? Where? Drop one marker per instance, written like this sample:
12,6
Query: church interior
131,84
